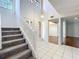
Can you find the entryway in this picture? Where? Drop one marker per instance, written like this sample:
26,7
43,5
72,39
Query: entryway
52,32
72,31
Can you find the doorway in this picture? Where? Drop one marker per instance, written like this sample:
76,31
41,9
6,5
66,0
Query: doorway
52,32
72,31
72,34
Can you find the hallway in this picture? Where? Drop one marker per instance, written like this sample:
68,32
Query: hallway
52,51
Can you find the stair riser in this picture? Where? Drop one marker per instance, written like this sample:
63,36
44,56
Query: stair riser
11,38
13,52
9,29
12,44
26,56
10,33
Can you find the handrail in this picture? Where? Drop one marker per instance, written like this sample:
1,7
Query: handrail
30,34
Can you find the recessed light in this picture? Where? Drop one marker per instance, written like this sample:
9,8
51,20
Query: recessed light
51,23
76,18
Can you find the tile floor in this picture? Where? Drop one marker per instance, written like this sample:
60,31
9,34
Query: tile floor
52,51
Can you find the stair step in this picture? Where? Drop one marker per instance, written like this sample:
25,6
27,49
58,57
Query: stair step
11,37
12,50
22,55
9,29
10,43
10,32
14,45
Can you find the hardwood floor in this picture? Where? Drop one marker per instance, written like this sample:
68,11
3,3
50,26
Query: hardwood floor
53,39
72,41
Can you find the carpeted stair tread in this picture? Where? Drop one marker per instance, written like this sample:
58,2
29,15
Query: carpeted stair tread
11,35
12,48
11,43
22,55
11,32
9,29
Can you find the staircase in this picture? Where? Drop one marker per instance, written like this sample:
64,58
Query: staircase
14,45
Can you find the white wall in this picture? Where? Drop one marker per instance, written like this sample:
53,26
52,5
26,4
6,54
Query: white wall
73,29
31,12
0,33
17,11
8,17
53,29
44,29
61,31
64,30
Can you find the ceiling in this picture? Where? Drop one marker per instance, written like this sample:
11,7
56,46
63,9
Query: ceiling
66,7
72,19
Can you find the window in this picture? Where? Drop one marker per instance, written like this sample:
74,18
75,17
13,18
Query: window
6,4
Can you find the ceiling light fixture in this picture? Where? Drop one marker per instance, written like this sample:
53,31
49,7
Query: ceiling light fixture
51,23
42,13
76,18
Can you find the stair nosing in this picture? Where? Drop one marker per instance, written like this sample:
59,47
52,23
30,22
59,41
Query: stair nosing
11,28
12,31
12,48
10,41
11,35
19,54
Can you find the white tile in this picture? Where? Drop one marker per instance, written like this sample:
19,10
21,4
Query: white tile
52,51
75,56
45,57
67,57
57,57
